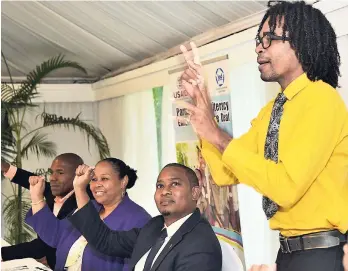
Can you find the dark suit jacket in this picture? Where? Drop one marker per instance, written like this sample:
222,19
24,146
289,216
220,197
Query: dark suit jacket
37,248
193,247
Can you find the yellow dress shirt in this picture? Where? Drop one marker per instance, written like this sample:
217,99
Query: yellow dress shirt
310,181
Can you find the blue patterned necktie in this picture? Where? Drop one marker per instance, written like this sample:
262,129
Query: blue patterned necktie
271,147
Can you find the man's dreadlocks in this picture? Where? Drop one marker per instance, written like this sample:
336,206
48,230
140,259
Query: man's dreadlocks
311,36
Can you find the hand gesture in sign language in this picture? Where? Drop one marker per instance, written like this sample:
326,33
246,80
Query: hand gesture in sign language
200,112
201,115
83,176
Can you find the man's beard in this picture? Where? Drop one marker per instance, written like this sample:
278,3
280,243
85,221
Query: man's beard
273,77
166,213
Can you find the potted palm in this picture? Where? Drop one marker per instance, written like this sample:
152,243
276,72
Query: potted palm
19,141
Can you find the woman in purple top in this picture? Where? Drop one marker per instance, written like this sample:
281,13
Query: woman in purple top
109,181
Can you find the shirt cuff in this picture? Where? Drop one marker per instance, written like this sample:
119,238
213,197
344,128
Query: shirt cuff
11,172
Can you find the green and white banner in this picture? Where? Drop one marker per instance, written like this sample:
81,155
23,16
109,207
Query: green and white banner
218,204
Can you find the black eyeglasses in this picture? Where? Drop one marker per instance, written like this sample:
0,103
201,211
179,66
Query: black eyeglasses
267,38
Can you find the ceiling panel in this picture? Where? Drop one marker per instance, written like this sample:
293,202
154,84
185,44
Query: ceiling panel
106,35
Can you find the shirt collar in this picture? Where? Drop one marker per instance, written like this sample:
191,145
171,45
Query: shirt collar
58,199
171,230
296,86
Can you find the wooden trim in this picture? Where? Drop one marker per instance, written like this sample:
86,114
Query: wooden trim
206,62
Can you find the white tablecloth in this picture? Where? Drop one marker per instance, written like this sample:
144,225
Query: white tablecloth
27,264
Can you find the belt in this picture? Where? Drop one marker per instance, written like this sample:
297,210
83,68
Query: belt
325,239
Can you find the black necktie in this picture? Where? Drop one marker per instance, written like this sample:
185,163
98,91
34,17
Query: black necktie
154,250
271,147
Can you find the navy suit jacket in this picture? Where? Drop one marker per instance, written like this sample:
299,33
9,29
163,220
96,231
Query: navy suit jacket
193,247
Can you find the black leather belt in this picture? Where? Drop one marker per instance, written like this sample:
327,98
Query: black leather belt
324,239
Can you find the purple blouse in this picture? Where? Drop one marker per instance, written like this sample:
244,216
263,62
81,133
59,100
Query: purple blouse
62,235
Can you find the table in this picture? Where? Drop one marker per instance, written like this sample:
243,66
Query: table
27,264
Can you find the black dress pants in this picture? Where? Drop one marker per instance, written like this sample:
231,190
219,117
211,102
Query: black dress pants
320,259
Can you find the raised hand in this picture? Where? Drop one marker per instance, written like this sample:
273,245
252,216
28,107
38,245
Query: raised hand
201,114
193,77
83,176
37,188
263,267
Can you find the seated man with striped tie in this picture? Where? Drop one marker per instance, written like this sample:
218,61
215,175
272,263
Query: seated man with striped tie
296,152
179,239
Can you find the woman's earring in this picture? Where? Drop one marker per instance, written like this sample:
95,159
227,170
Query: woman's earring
123,193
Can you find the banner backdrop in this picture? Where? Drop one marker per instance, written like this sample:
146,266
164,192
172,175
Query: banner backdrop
218,204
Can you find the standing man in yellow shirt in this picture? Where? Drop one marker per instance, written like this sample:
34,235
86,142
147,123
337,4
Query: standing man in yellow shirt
296,152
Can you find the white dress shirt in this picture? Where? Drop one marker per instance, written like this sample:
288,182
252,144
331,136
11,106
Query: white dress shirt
58,201
171,230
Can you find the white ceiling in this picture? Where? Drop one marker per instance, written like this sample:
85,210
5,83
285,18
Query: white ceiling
104,36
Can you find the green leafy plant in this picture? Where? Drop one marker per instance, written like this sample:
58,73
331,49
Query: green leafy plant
18,141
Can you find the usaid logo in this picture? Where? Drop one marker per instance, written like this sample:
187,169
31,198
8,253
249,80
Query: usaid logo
219,77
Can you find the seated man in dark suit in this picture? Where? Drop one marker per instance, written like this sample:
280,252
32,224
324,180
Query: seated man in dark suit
179,239
60,198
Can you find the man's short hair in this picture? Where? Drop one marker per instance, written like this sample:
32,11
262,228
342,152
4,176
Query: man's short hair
190,174
70,158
